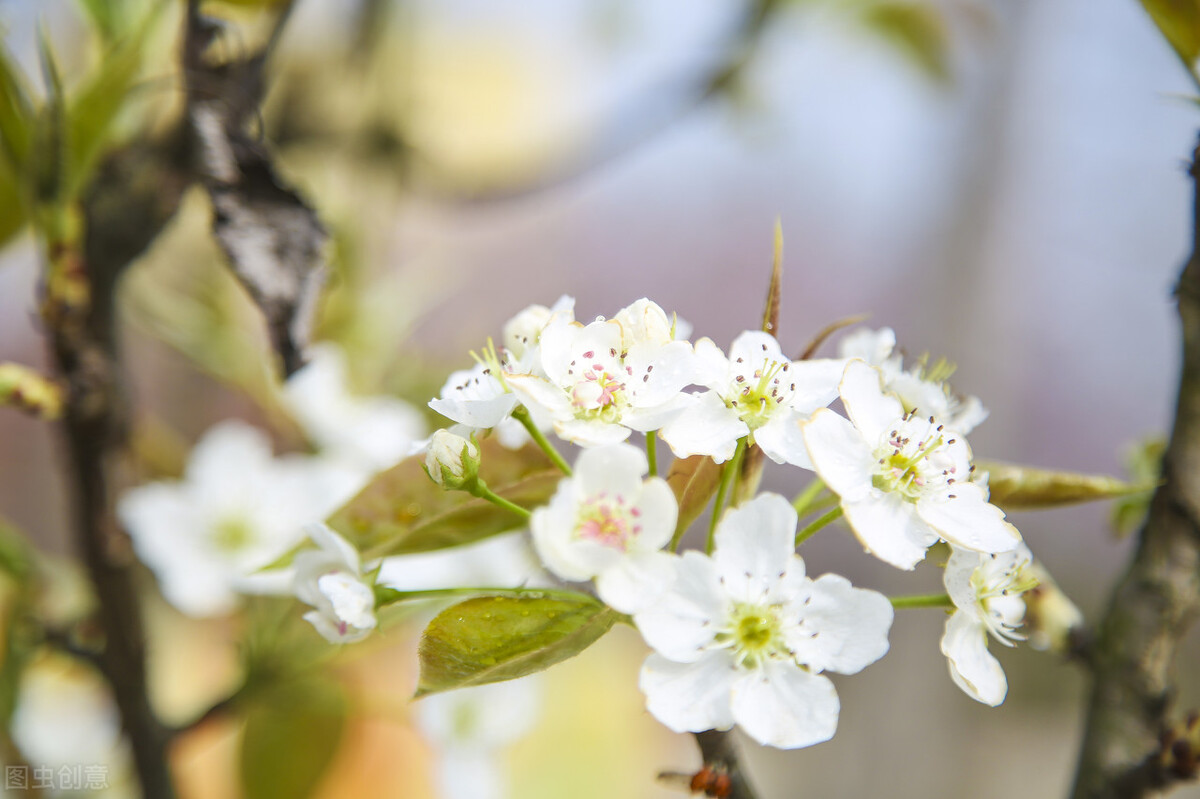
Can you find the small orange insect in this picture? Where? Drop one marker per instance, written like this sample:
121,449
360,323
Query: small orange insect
711,781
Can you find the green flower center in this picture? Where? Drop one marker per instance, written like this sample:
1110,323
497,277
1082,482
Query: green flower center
759,391
233,534
755,634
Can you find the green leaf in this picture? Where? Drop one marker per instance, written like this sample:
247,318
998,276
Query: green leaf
402,511
491,639
290,737
917,30
695,481
94,107
1179,22
16,115
1144,465
1025,488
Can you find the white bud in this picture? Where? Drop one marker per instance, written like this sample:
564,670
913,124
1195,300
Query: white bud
451,460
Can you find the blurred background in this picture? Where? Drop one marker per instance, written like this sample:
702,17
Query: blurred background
1003,183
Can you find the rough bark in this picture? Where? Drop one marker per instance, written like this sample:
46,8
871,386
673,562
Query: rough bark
1157,599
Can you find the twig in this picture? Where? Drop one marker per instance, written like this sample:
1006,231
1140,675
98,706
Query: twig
1157,600
719,749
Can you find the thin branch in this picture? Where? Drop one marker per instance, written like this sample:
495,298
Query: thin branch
719,750
1157,600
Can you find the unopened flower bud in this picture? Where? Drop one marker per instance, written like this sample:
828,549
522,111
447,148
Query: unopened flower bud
1050,616
451,460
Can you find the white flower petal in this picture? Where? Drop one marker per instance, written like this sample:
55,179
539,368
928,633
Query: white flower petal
637,581
690,697
782,440
840,456
755,345
816,382
537,392
872,346
969,520
755,542
552,529
712,367
658,514
868,407
972,667
616,470
889,528
785,706
957,576
705,428
845,629
683,621
656,373
588,433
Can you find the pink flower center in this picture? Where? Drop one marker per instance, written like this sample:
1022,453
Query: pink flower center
597,390
608,522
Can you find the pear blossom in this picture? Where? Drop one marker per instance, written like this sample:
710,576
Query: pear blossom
235,511
904,481
742,637
469,729
644,321
65,716
330,579
597,382
987,593
756,391
371,432
480,398
523,332
922,388
608,523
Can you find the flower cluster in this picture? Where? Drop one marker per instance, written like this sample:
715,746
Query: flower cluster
740,634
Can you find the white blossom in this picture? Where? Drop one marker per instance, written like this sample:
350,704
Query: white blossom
594,389
236,510
924,388
65,716
330,579
904,481
608,523
756,391
743,636
987,594
523,332
371,432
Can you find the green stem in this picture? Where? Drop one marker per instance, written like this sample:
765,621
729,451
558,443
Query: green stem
521,414
807,532
652,452
483,492
732,466
922,601
805,498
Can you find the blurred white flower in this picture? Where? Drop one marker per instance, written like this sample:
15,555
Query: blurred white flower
607,522
987,594
470,726
756,391
743,636
923,389
65,717
371,432
236,510
330,579
904,481
595,390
